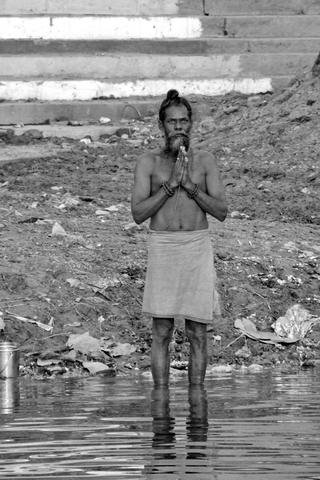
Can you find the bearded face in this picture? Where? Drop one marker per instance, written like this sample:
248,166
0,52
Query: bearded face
176,127
175,141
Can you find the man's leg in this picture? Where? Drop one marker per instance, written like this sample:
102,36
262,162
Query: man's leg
162,330
197,336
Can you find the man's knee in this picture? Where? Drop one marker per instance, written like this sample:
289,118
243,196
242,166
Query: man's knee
196,332
162,329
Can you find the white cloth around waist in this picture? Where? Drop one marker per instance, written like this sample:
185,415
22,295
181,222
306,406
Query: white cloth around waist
180,280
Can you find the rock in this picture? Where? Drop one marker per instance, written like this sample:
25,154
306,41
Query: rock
135,143
33,133
10,133
86,140
145,131
277,128
124,131
105,136
132,227
96,367
236,214
15,140
275,172
112,139
104,120
265,185
208,125
74,123
253,100
232,109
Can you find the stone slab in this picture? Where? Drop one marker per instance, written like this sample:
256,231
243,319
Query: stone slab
129,68
276,64
265,7
101,7
161,47
34,113
112,67
284,26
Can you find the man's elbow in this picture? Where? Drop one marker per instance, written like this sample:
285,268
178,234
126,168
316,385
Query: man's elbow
136,217
138,220
223,214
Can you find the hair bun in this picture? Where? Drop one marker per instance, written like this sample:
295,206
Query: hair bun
172,94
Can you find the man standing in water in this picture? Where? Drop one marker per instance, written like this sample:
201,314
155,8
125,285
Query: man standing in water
176,188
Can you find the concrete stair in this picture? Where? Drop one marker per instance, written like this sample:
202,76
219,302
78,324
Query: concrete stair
60,58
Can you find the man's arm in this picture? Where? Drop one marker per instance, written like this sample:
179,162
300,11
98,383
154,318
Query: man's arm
214,202
143,205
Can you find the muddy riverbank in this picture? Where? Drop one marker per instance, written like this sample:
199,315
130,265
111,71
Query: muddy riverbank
73,262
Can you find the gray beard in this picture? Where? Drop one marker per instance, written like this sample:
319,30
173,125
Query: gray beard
173,143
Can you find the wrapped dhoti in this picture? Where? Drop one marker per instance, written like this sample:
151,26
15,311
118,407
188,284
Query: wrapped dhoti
181,279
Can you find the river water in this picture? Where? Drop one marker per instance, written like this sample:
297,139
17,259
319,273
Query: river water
263,425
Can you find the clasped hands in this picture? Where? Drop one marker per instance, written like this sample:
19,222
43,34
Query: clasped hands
181,173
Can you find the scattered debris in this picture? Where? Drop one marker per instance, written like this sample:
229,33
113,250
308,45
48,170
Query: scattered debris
246,326
48,327
57,230
295,324
83,343
98,367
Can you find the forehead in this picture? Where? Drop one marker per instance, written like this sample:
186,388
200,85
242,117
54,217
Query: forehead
180,111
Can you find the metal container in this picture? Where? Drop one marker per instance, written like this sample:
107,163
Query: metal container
9,395
9,359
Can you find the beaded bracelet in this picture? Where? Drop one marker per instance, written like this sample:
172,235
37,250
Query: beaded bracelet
167,189
194,192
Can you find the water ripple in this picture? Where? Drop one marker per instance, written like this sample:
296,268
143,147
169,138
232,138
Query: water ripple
260,426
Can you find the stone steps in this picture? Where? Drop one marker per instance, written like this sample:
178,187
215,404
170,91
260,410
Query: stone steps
55,51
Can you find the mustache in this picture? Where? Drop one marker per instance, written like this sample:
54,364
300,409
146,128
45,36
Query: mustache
182,134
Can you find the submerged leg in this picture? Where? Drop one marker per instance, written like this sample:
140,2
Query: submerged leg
197,336
162,330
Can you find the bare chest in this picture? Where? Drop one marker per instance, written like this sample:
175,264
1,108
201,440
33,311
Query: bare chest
163,171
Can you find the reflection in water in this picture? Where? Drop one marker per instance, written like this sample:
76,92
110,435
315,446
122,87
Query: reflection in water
9,395
241,426
189,451
197,423
163,441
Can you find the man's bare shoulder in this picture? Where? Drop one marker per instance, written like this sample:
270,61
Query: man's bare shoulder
149,158
207,159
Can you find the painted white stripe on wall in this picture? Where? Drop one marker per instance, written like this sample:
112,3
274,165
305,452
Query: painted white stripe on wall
99,28
90,89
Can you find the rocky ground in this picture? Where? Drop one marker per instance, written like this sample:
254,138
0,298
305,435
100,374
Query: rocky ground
73,262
